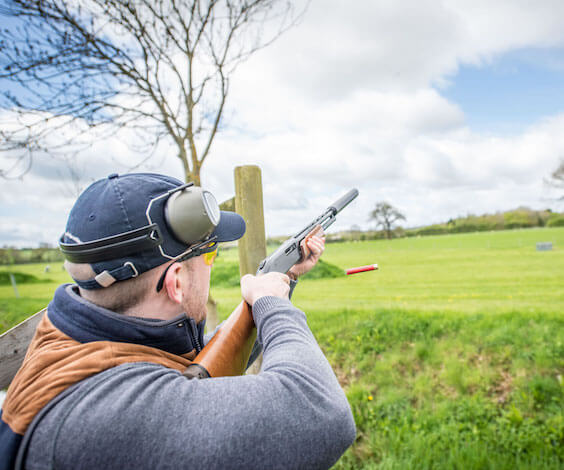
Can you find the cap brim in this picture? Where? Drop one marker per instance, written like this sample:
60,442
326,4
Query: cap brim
231,227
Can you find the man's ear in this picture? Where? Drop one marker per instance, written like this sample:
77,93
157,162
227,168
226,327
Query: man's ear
172,283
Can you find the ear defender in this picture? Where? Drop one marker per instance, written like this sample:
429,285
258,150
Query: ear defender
192,214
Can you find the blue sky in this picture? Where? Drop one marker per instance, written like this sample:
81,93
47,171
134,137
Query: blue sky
511,91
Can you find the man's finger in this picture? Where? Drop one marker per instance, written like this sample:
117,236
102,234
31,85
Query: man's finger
316,232
317,242
316,246
284,277
305,247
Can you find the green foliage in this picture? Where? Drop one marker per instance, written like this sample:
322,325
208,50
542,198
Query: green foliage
227,274
29,255
470,433
518,218
545,391
450,391
556,220
323,270
429,230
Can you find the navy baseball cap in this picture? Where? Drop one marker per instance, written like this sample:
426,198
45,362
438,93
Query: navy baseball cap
119,204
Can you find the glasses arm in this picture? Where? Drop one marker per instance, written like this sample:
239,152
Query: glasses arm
195,250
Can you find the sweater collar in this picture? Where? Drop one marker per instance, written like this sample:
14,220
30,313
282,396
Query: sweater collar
86,322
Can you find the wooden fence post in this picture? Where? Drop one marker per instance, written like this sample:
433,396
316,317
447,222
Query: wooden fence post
252,246
248,204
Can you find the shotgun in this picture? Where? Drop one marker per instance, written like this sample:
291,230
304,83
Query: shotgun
228,352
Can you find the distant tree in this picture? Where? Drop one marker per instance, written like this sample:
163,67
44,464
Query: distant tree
557,177
355,232
385,216
160,68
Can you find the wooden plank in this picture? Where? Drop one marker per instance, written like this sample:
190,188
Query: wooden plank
13,346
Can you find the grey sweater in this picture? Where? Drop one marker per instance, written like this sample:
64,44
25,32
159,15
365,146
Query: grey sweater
293,414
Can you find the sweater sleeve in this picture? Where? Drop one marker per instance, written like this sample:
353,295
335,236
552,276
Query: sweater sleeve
293,414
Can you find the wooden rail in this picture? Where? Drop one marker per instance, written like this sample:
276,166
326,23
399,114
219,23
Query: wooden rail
13,346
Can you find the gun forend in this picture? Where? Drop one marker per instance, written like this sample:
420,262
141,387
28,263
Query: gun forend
344,201
289,253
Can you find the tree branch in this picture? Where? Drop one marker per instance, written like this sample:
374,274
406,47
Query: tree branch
162,66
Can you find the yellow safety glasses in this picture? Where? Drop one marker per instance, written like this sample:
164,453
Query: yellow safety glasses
210,257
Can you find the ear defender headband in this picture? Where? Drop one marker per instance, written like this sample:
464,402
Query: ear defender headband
190,212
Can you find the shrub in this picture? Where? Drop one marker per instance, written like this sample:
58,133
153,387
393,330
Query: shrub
520,218
324,270
227,274
556,220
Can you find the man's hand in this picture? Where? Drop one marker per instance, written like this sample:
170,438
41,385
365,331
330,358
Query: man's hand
270,284
312,248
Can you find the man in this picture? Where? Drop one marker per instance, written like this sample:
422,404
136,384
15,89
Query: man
102,383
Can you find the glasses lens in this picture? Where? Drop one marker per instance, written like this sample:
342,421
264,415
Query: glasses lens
210,257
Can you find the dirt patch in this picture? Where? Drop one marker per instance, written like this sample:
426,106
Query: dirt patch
502,389
401,368
346,376
477,359
439,385
447,391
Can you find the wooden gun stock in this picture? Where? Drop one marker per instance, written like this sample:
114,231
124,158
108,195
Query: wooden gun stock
228,352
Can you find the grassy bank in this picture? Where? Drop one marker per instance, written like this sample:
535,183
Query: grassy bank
447,390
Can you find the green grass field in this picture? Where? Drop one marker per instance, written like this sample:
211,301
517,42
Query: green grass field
451,355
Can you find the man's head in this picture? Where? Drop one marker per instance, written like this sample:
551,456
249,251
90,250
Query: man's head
125,227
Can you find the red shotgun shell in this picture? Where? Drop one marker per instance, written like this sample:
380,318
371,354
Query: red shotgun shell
361,269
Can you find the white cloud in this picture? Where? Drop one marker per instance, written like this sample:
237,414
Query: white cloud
390,45
346,100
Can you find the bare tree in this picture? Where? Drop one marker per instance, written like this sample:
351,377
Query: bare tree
385,216
160,68
557,177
